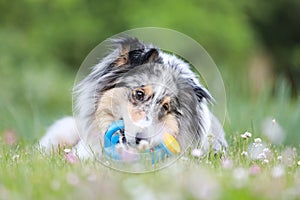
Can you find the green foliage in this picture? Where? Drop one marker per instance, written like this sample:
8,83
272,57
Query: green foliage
68,30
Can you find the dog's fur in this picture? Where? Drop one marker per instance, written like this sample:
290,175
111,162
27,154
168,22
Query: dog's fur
152,91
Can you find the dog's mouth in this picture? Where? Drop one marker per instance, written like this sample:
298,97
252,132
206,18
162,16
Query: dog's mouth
142,138
140,143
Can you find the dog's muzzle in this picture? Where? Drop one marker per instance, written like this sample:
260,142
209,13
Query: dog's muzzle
168,146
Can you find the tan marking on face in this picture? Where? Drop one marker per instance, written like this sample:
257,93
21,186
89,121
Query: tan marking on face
171,123
109,108
135,114
148,90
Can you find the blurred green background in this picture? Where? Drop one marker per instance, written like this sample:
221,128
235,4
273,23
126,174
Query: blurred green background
255,44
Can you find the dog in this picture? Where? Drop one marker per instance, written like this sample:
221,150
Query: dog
152,91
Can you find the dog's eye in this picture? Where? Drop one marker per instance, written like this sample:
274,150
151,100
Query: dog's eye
166,107
139,95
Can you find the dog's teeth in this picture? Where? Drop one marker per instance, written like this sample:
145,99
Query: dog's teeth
143,145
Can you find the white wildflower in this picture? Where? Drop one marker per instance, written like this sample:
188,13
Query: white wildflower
279,158
244,153
246,135
266,161
266,150
257,140
16,157
197,153
243,136
261,156
256,152
67,150
298,163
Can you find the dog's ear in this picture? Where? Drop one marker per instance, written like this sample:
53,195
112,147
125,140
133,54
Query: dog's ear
134,52
123,56
202,93
151,55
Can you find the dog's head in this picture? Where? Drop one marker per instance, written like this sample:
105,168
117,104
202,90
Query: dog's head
151,104
152,91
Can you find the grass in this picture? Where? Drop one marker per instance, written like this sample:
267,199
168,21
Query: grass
27,173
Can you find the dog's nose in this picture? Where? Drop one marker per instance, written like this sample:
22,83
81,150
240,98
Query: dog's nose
137,140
